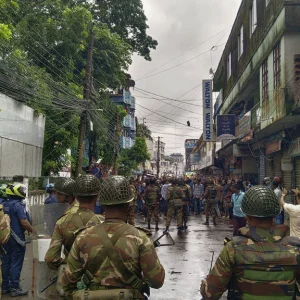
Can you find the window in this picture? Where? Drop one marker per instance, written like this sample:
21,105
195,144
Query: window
276,66
229,66
241,42
265,83
253,17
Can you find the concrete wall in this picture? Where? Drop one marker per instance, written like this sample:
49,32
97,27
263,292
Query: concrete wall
21,139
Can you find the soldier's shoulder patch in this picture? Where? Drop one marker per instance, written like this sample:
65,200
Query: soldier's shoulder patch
147,231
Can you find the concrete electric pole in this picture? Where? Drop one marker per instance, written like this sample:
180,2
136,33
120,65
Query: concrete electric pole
86,97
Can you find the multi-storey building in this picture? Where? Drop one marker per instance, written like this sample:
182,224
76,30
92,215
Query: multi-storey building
128,125
259,79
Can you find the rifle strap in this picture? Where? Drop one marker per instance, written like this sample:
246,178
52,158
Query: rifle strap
108,251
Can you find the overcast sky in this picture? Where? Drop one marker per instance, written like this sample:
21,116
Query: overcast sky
184,30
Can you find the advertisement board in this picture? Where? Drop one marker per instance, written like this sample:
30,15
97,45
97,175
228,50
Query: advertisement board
207,111
190,144
225,127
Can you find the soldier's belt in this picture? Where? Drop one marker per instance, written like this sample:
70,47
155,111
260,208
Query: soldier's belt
176,202
104,293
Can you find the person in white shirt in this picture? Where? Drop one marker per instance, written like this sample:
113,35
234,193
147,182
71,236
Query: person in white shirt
293,211
278,192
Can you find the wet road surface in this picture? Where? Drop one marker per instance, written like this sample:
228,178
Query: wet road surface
186,263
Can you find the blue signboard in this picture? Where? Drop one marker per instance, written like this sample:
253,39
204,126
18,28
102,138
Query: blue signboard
226,127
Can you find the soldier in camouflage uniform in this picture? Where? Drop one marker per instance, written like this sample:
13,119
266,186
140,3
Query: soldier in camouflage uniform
86,188
187,199
261,263
152,194
4,236
64,190
210,196
175,197
113,258
132,206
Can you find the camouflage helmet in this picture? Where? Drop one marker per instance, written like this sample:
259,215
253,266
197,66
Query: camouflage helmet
260,201
87,185
115,190
65,186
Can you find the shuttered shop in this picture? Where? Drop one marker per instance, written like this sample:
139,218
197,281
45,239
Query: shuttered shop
297,171
277,164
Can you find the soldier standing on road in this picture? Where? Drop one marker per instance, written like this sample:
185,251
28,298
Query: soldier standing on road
210,196
64,191
12,261
186,202
113,259
261,263
132,206
86,188
4,236
175,197
152,195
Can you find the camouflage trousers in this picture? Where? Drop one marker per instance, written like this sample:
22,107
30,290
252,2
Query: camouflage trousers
171,210
210,208
153,211
130,214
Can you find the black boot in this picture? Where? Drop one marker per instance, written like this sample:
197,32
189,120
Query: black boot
149,227
167,229
180,230
207,222
156,227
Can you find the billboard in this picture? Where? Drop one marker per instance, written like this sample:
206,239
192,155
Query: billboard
225,127
207,111
190,144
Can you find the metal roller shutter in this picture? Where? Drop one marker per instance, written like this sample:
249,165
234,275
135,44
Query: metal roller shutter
269,171
262,168
297,171
277,164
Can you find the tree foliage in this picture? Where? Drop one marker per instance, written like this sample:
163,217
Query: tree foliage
43,55
131,158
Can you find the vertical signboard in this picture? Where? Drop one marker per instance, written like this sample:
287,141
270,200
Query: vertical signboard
207,111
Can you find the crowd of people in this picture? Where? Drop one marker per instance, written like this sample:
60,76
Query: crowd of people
105,255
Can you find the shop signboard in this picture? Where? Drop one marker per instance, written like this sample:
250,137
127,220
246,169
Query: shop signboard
245,124
190,144
294,149
273,147
226,127
207,111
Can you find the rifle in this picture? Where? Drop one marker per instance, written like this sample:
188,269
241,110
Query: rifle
52,281
158,244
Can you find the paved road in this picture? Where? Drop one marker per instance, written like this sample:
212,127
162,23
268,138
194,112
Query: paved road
186,263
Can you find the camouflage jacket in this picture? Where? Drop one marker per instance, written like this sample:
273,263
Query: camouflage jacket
211,192
64,234
4,226
175,192
135,248
259,263
187,193
152,194
73,208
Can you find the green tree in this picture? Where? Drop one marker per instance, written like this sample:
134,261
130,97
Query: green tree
143,131
131,158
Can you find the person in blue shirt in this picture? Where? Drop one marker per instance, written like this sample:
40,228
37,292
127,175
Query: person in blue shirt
12,261
239,218
51,199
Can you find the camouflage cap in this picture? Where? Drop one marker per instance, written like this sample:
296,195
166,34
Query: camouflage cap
65,186
115,190
87,185
260,201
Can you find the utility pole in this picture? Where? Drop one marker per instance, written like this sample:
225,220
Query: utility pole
116,152
86,97
158,158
